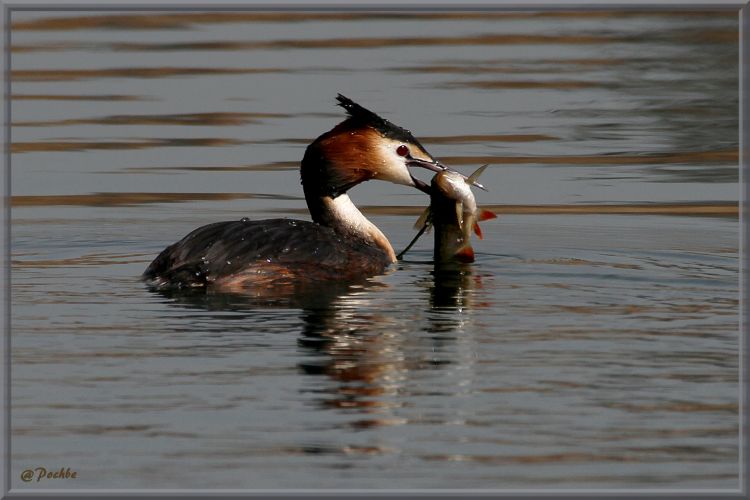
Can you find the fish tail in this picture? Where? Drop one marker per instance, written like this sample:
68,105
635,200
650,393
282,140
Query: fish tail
465,254
486,215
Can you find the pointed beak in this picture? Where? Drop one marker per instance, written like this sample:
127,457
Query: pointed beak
434,166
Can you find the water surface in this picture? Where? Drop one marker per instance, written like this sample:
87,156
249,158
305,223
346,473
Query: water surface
593,344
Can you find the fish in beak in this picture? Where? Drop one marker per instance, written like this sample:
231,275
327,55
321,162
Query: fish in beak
436,166
454,214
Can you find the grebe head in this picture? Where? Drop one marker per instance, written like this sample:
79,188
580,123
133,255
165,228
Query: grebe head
363,147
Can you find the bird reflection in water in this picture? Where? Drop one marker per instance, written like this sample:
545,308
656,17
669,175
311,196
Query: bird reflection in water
369,355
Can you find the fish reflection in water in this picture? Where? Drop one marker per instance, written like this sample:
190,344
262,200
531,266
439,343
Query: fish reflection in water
451,288
371,369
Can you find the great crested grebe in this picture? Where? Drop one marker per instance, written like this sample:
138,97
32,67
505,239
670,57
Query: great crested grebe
339,244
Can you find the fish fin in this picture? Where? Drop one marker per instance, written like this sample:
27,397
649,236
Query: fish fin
465,254
478,231
423,219
473,177
486,215
460,214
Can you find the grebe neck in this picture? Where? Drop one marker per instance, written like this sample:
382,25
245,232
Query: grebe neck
341,215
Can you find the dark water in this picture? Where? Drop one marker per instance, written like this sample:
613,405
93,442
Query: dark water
593,344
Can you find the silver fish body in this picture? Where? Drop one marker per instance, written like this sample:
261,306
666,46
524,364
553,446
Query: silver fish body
454,214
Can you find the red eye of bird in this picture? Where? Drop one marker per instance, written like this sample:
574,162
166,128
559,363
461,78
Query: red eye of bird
402,150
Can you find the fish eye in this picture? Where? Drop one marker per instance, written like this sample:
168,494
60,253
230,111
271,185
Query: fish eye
402,150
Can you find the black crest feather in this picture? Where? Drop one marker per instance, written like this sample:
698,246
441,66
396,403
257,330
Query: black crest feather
364,116
358,112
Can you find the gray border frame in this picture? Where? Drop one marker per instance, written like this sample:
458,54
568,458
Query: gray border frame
5,256
6,7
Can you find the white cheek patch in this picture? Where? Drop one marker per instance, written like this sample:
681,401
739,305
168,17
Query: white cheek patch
392,166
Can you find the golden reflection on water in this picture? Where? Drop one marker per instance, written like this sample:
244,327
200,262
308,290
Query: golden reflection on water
203,119
714,209
530,84
76,97
122,199
159,21
263,167
64,146
330,43
96,259
684,36
582,262
56,75
678,406
720,156
485,138
700,209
